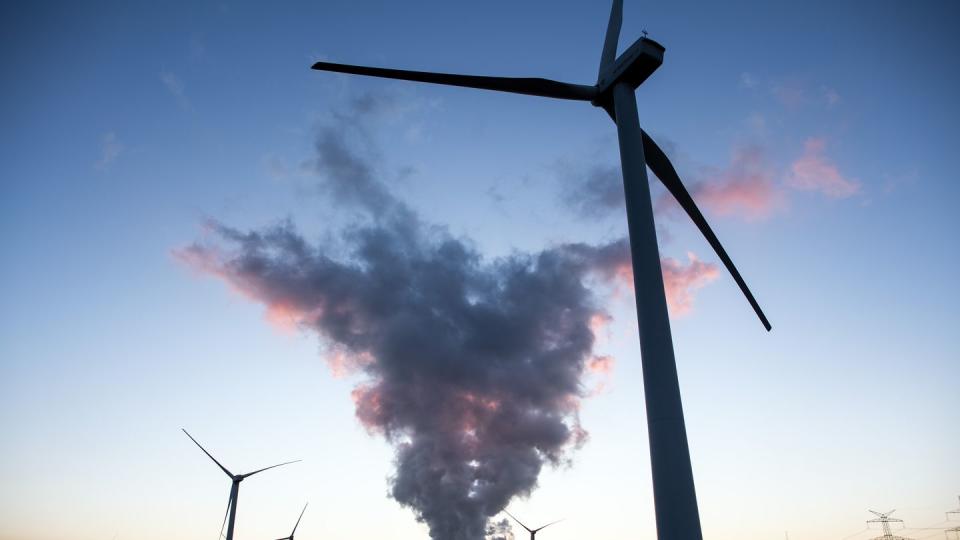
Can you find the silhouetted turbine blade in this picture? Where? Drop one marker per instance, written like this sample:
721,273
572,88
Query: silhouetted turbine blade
609,54
547,525
664,170
271,467
518,521
298,520
225,514
528,86
208,454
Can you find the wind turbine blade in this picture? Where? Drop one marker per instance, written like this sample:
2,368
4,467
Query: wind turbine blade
518,521
225,514
527,86
208,454
661,166
298,520
609,54
547,525
271,467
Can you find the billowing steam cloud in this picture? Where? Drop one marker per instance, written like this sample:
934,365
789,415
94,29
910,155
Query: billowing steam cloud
472,369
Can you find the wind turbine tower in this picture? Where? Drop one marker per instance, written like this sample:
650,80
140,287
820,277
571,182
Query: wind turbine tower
884,519
674,495
231,512
533,532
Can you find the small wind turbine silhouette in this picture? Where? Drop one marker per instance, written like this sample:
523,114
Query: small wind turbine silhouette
674,495
533,532
234,488
296,525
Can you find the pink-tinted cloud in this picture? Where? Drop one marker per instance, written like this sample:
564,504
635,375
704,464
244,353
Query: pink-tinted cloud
680,281
601,364
343,362
813,171
746,189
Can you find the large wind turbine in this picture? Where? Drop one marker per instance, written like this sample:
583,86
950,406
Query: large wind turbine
675,498
295,525
234,488
533,532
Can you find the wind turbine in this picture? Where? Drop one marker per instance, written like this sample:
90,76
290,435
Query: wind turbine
234,488
675,499
296,525
533,532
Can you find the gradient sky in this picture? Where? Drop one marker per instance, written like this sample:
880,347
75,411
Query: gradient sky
819,136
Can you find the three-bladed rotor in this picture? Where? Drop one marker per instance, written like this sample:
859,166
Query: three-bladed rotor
632,67
231,510
297,524
533,532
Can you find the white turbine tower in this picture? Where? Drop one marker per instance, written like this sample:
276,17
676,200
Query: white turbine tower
231,512
675,498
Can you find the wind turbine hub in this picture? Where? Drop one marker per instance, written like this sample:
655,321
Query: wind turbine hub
632,67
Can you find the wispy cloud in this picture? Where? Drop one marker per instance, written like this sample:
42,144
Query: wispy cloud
745,189
175,86
594,192
813,171
110,150
790,94
830,96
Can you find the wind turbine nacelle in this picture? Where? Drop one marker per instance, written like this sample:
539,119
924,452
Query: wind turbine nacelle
633,66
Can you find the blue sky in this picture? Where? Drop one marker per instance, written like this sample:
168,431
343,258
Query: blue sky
128,126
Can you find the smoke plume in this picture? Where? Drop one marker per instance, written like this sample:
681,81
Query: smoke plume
470,368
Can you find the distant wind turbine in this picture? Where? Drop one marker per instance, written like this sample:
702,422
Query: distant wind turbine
533,532
234,488
296,525
675,498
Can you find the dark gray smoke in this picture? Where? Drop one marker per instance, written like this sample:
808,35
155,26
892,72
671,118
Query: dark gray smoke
471,368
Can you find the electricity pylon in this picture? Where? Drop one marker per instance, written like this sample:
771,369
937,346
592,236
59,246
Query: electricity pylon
955,530
884,519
